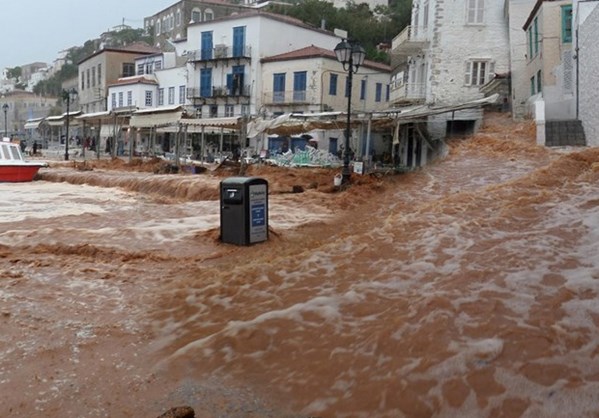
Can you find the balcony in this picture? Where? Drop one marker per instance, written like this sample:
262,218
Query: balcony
411,41
285,98
408,92
218,53
220,92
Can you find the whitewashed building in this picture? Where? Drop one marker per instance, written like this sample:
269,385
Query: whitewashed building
450,50
551,70
312,80
224,59
517,12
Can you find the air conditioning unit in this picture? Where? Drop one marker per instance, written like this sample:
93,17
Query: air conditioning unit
220,51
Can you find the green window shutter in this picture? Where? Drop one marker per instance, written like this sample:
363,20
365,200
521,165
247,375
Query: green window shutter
567,24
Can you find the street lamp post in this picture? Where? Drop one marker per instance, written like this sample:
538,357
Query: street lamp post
66,96
5,108
351,55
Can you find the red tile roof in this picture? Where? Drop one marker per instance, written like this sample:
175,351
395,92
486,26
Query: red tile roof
318,52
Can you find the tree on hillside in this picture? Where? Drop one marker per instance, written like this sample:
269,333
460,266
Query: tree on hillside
14,73
369,27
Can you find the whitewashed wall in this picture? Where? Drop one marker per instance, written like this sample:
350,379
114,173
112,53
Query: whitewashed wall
588,57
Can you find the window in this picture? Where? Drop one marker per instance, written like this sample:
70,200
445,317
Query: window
478,73
149,68
363,89
121,99
245,109
171,95
93,76
178,18
140,69
206,45
82,75
113,99
278,87
567,24
535,30
100,75
387,92
532,85
539,82
87,76
530,45
238,41
158,27
299,86
229,110
378,94
206,82
128,69
158,65
196,15
149,98
475,12
160,96
333,85
208,15
214,111
181,94
129,98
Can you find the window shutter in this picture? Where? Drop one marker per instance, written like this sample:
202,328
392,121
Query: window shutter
491,74
468,74
480,11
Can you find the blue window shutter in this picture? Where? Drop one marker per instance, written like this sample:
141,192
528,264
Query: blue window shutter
207,46
238,41
333,85
206,82
278,87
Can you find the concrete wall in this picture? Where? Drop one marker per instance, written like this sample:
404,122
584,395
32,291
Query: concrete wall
518,12
588,59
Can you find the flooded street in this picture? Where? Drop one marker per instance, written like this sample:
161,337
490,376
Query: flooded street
467,288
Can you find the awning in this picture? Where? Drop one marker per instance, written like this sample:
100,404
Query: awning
95,117
231,122
33,123
109,130
154,117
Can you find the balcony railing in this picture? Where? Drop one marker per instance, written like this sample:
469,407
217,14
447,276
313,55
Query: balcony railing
408,92
410,40
219,52
218,92
285,97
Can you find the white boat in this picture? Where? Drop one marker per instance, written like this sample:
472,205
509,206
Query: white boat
13,166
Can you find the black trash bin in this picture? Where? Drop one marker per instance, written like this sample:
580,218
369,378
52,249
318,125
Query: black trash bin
243,210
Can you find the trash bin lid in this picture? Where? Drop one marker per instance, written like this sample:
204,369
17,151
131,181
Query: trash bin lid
243,180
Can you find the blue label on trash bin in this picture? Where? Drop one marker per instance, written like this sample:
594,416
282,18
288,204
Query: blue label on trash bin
259,215
258,206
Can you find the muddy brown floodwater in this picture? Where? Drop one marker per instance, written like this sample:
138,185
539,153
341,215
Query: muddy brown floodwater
468,288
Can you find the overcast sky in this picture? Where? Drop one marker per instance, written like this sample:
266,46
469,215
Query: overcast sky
36,30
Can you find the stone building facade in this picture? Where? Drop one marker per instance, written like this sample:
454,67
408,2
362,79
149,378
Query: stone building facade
170,24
